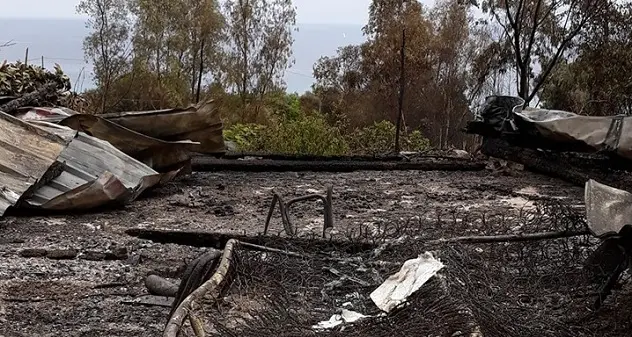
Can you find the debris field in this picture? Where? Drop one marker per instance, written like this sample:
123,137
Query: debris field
431,244
86,283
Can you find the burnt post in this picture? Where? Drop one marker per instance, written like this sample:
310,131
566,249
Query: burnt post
402,52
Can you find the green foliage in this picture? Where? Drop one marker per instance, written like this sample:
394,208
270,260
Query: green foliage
417,142
379,138
293,106
284,106
306,134
375,139
293,131
247,137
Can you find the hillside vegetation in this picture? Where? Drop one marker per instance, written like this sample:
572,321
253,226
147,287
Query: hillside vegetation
562,54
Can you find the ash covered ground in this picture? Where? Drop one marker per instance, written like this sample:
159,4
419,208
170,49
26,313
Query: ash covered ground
87,296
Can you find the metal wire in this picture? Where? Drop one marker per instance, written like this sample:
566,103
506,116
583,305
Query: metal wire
500,289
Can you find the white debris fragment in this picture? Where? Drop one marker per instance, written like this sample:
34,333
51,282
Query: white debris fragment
92,226
462,154
346,316
399,286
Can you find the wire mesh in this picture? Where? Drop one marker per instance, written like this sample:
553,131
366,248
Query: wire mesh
515,289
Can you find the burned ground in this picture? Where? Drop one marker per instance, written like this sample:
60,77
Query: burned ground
89,296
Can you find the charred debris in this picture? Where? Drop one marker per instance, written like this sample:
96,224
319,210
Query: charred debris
588,151
53,158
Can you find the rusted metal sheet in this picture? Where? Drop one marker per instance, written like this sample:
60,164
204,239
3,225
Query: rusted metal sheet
158,154
27,157
199,123
95,174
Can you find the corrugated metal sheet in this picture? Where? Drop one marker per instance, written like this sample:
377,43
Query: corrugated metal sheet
200,123
44,114
95,173
158,154
27,154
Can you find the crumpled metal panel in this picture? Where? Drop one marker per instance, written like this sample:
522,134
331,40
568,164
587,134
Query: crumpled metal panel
199,123
95,174
558,129
160,155
162,139
608,209
27,157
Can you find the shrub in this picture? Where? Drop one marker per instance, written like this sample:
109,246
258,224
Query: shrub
291,130
379,138
247,137
305,135
302,135
375,139
416,141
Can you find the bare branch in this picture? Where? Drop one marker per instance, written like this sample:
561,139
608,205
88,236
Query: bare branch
7,44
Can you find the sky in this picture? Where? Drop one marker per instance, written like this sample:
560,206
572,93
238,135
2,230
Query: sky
308,11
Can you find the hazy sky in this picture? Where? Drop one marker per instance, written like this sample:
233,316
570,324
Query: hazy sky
308,11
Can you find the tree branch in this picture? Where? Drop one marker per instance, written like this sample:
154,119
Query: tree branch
533,29
7,44
511,237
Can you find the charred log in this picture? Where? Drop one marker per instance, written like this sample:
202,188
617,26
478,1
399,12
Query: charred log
556,165
35,98
219,240
263,165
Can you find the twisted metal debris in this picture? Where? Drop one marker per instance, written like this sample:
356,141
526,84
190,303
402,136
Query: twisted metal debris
515,289
289,228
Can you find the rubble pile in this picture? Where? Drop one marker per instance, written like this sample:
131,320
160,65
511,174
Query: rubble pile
56,158
521,273
18,79
26,84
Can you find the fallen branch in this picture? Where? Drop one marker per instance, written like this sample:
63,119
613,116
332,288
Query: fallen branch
157,285
31,99
511,238
212,287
